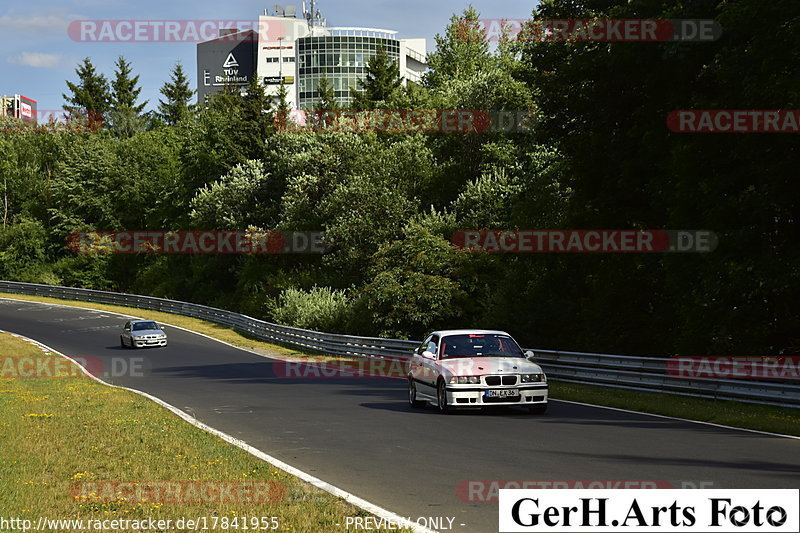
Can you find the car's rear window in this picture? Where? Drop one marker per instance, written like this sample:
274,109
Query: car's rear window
480,345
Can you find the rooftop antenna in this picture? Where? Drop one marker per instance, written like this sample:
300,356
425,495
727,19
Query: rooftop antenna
313,16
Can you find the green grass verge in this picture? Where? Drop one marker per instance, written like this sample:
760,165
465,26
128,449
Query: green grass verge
59,431
736,414
728,413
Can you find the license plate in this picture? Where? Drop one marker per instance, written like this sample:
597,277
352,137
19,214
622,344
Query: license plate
502,393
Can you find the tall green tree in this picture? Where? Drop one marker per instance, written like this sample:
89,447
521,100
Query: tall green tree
461,52
90,94
176,108
257,115
380,83
326,96
281,107
281,100
125,114
125,87
604,106
321,117
414,284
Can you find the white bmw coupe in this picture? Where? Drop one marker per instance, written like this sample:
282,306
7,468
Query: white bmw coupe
473,369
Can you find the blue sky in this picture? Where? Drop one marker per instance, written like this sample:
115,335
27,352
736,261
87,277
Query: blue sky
38,55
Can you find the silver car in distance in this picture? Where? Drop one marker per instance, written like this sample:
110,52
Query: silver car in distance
142,333
474,369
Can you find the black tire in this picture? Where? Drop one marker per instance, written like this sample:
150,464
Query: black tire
538,409
441,397
412,395
133,344
122,342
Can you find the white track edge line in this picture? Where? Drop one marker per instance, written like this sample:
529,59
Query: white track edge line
161,322
308,478
548,399
275,357
679,419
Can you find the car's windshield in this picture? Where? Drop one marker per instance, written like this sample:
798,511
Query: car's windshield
141,326
480,345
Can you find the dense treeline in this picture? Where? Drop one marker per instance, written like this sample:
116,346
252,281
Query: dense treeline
600,156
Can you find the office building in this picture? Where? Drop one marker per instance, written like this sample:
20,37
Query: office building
300,51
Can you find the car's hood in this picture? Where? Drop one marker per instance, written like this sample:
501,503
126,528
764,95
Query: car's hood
477,366
147,332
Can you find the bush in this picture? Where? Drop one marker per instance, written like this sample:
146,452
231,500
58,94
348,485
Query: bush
415,285
320,309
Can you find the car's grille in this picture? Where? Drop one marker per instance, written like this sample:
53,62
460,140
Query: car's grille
148,336
497,380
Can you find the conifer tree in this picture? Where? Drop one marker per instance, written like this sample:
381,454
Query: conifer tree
89,97
176,107
380,83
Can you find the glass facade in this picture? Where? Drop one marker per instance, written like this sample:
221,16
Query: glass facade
340,58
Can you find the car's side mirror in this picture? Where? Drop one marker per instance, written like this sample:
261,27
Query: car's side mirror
529,354
428,355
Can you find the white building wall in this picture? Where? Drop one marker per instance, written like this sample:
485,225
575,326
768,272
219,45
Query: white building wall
413,56
277,53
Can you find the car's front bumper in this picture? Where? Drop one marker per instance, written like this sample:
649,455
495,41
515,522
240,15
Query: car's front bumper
473,396
148,343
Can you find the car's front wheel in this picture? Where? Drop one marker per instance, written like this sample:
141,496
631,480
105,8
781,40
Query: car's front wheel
133,344
122,342
441,397
412,395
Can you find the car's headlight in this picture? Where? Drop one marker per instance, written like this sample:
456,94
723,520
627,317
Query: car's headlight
464,380
533,378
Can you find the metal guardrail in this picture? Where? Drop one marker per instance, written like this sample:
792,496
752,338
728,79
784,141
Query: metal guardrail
328,343
650,374
615,371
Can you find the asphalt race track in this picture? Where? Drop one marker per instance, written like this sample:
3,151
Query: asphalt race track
360,435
